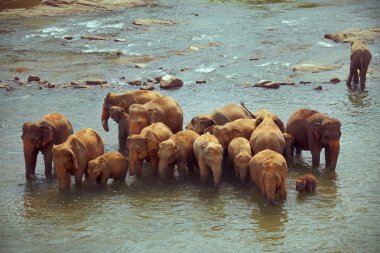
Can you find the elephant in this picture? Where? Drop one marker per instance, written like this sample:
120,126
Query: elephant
162,109
72,156
289,141
125,100
221,116
178,149
119,115
306,183
268,171
109,165
209,154
237,128
239,152
264,113
41,135
267,135
314,131
360,59
145,146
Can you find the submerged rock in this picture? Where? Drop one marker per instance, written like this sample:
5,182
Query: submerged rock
335,80
135,82
268,85
170,82
93,37
153,22
33,78
147,87
318,88
96,82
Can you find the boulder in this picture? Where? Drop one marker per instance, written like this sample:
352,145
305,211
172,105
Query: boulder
335,80
318,88
268,85
170,82
96,82
33,78
135,82
147,87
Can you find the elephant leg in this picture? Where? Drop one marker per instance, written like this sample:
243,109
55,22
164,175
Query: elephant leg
270,192
351,75
30,163
315,154
122,141
356,77
217,174
78,178
103,180
203,171
282,190
154,164
48,159
182,170
327,156
298,151
363,74
190,164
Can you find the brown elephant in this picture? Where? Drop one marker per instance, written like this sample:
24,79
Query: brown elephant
109,165
268,171
306,183
221,116
237,128
162,109
125,100
268,134
145,146
239,152
119,115
209,154
72,156
360,59
289,141
41,135
178,149
264,113
314,131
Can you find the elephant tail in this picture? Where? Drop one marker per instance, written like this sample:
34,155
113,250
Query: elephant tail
248,111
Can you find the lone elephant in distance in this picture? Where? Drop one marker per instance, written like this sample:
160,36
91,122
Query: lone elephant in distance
221,116
209,154
119,115
72,156
306,183
314,131
40,136
125,100
268,171
178,149
360,58
162,109
144,146
109,165
239,152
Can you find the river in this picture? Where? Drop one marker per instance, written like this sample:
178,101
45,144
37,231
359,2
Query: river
228,44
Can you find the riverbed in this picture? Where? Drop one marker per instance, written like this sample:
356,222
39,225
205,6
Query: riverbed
231,45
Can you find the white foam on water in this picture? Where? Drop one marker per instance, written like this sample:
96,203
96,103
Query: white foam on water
289,22
325,44
205,69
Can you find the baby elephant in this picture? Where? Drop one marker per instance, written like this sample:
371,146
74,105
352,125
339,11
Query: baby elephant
109,165
239,152
360,59
306,183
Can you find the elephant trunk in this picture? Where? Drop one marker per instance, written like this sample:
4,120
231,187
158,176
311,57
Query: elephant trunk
30,156
105,117
63,178
135,165
332,154
162,169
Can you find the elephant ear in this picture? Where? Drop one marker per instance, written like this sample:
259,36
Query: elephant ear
25,128
259,119
235,133
210,129
151,145
279,123
317,131
152,115
74,159
46,135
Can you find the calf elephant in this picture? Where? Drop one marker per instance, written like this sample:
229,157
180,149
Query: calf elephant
360,59
125,100
239,152
221,116
209,154
268,171
145,146
72,156
178,149
306,183
237,128
41,135
163,109
119,115
314,131
109,165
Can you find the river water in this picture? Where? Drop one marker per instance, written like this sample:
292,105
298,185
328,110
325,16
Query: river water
216,45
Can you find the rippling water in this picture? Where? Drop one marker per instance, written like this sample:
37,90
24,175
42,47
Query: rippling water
216,46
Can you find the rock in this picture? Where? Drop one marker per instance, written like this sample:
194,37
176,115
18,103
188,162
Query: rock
119,52
170,82
150,80
17,78
74,83
200,81
96,82
93,37
34,78
135,82
49,85
52,3
80,86
335,80
185,68
119,40
304,82
157,79
262,82
147,87
139,66
67,37
285,83
318,88
152,22
268,85
315,68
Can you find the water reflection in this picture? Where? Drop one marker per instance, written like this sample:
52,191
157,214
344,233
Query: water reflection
358,97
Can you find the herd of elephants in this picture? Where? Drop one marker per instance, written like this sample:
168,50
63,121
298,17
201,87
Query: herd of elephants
256,146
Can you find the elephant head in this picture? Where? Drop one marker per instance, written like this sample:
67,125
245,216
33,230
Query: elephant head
105,112
138,149
300,184
167,154
327,134
141,116
274,118
213,153
225,135
200,123
117,113
242,166
95,168
66,163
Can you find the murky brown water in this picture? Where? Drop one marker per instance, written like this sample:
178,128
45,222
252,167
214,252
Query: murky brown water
148,216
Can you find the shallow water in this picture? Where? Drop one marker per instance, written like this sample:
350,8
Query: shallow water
148,216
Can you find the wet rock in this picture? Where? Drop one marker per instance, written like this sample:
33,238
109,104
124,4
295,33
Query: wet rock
147,87
68,37
33,78
200,81
263,82
52,3
74,83
157,79
135,82
119,40
268,85
80,86
315,68
150,80
304,82
49,85
152,22
17,78
286,83
318,88
96,82
119,52
139,66
93,37
335,80
185,68
170,82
